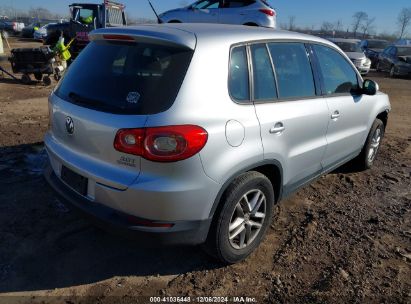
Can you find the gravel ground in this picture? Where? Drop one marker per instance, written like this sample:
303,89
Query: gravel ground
345,238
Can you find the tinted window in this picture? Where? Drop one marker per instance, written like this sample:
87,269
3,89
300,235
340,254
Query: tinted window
237,3
125,78
351,47
264,81
338,75
238,84
393,51
377,44
207,4
404,51
293,70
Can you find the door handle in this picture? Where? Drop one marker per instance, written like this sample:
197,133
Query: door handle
277,128
335,115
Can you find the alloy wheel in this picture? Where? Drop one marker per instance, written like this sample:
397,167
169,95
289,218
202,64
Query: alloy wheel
247,219
375,144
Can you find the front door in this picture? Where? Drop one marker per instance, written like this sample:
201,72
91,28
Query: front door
347,117
206,11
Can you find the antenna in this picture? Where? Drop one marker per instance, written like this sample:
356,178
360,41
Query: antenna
152,7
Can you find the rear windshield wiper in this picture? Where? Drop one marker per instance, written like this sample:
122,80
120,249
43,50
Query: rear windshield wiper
76,98
95,104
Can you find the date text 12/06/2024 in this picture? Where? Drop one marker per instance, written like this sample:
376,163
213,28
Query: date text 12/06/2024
238,299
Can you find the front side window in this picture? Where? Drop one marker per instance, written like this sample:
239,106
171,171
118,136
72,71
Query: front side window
239,82
293,69
263,74
338,75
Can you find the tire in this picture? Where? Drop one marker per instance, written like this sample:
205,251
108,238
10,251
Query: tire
38,76
47,80
247,228
392,72
374,139
25,79
378,67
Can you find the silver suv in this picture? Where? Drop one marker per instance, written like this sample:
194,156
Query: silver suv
189,134
243,12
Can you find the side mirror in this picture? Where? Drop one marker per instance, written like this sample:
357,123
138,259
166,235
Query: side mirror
370,87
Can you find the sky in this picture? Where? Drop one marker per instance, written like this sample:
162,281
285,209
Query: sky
307,13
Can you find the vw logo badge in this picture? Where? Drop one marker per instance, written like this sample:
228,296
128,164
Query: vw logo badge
69,125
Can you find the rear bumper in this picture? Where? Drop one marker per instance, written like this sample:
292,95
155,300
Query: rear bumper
182,233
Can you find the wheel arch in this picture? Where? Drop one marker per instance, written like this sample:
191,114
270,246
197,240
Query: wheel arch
250,24
270,168
383,116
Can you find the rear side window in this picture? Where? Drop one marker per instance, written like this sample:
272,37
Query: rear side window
338,75
239,82
237,3
293,69
263,74
126,78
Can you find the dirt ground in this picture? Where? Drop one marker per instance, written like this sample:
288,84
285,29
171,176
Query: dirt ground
344,239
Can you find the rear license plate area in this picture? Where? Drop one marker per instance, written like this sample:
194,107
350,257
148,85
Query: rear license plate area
75,181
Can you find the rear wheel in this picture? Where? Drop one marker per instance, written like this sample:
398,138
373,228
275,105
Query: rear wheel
38,76
369,152
392,72
241,223
47,80
378,68
25,78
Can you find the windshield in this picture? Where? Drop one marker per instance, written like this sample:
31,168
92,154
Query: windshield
349,47
377,44
126,78
404,51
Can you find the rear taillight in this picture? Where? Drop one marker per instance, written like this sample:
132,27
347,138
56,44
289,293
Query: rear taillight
162,144
267,12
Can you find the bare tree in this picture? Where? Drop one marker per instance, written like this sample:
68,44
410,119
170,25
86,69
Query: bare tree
338,26
291,23
358,19
327,27
404,20
367,26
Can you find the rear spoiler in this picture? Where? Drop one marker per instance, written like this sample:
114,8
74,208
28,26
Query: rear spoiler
158,34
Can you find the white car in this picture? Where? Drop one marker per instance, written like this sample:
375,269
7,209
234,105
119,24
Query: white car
353,50
243,12
41,33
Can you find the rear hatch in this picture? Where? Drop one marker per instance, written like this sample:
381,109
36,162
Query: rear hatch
115,83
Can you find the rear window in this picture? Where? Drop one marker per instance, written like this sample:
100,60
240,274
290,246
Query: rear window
126,78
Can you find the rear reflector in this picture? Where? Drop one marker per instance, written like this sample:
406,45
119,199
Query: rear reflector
162,144
145,223
118,37
267,12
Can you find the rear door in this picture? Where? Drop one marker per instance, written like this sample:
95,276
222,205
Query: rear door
348,109
233,11
206,11
292,115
